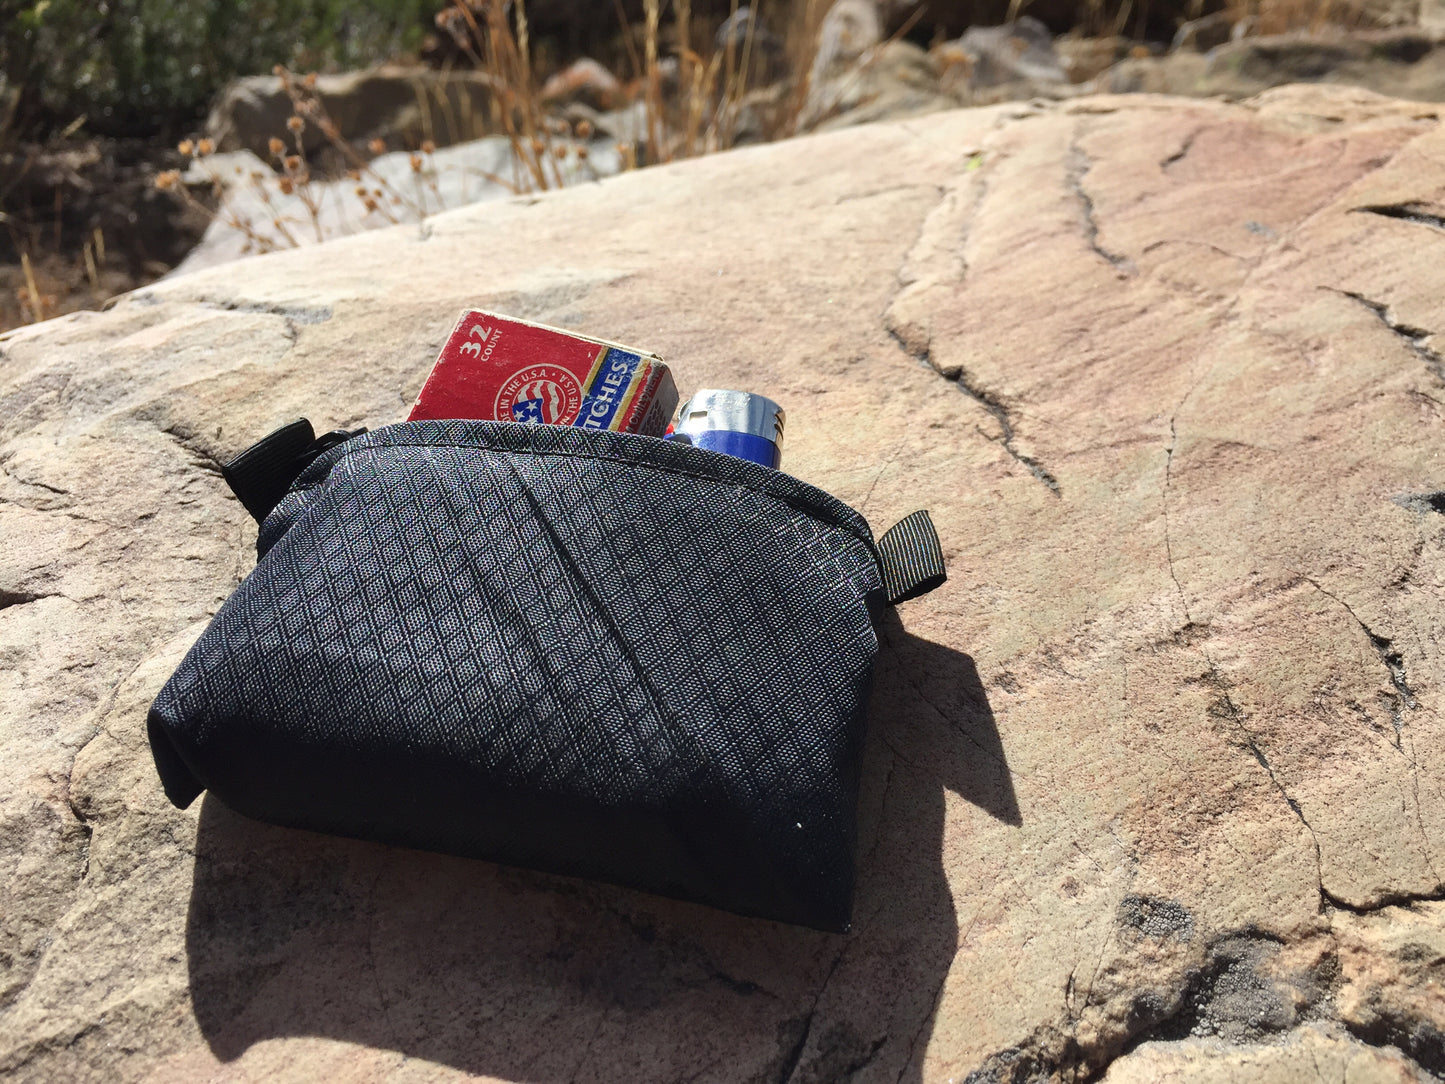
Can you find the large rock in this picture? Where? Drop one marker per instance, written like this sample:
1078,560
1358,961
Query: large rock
400,105
1158,770
1407,63
258,211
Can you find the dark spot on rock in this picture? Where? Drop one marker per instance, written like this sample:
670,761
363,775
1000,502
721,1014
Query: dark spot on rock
1147,1009
1231,997
1012,1066
1414,952
1423,502
1155,917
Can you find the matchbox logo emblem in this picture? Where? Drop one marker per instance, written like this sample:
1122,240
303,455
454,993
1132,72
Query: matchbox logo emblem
547,394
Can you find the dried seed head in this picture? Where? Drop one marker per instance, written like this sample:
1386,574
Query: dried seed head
286,186
295,123
361,191
168,179
415,161
559,151
428,147
186,147
293,163
376,146
369,204
310,80
537,145
581,154
584,129
205,146
276,147
354,175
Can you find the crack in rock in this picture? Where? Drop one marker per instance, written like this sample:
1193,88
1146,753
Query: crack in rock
1385,902
1224,708
922,1027
1393,661
293,316
298,314
793,1055
1417,1039
1406,212
1414,337
983,397
1403,699
88,829
1079,165
34,484
22,1056
1184,149
201,457
10,598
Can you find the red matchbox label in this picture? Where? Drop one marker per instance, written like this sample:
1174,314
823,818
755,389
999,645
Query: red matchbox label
496,368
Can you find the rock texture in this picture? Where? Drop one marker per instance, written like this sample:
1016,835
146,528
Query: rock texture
1154,785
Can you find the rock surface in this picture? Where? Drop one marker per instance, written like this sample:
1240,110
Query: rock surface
1154,783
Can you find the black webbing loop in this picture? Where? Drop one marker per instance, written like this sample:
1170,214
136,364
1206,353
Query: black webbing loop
260,476
911,558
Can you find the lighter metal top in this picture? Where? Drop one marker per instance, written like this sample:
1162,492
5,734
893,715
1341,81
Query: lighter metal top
714,409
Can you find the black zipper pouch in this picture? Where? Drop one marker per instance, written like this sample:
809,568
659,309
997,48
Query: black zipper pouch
591,653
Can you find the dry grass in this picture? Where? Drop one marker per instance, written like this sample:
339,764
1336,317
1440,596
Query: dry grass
694,96
46,284
687,100
1286,16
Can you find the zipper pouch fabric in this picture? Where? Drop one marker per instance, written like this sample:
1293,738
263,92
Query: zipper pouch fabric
592,653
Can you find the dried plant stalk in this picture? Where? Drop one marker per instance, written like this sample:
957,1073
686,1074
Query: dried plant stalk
37,306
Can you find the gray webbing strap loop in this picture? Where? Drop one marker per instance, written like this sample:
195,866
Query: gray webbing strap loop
911,558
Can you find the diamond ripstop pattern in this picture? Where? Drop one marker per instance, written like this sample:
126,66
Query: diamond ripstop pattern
584,652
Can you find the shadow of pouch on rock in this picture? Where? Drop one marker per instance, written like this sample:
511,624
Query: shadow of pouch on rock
464,638
528,976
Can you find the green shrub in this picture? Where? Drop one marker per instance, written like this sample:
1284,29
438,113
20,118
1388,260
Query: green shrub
140,67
